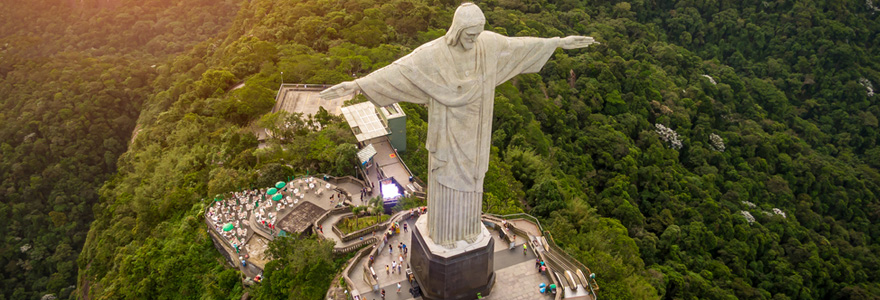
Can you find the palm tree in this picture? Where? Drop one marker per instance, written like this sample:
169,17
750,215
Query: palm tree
356,210
377,210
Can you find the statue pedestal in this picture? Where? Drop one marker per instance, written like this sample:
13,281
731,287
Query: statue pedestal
452,273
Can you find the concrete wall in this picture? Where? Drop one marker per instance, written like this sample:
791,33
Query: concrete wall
397,126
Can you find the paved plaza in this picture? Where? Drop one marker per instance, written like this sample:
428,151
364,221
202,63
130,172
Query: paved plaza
303,98
515,274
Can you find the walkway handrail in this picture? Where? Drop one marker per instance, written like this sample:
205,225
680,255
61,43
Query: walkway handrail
552,278
591,282
551,243
511,216
533,220
300,86
356,258
543,255
327,214
354,246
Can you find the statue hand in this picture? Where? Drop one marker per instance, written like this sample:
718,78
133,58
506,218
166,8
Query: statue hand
340,90
576,41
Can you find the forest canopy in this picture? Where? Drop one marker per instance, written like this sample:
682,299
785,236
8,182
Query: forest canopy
705,150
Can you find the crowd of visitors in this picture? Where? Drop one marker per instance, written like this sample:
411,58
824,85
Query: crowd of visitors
238,207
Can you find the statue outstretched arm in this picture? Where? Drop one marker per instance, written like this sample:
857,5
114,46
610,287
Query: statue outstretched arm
383,87
576,41
340,90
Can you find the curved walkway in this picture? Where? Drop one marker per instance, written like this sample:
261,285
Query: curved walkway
355,276
566,271
330,234
360,280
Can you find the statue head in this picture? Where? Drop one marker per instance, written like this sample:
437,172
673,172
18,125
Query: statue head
467,24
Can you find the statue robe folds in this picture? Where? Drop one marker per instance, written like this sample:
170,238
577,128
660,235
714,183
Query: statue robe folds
460,104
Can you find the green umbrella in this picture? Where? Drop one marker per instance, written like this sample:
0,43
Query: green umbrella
280,184
272,191
228,227
277,197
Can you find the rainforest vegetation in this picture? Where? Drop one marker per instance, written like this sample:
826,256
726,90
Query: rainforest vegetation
706,149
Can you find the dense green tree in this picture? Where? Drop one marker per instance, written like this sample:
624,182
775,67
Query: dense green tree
787,210
300,269
74,76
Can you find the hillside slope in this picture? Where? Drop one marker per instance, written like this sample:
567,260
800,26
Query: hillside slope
73,77
665,182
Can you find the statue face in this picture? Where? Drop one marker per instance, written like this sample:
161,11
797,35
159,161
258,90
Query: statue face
469,36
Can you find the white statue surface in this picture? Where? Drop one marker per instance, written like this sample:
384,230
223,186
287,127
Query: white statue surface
455,76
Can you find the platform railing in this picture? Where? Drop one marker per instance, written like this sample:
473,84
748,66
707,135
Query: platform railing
552,243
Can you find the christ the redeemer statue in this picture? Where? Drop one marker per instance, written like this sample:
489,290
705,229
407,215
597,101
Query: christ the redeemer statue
456,76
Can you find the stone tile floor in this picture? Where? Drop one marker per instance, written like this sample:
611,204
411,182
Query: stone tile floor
515,274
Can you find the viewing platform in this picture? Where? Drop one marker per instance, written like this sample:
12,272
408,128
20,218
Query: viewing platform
517,272
306,206
243,223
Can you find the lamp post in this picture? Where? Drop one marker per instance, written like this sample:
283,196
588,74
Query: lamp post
282,78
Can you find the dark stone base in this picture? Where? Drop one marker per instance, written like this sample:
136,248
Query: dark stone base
459,276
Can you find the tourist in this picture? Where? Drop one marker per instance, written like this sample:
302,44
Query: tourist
525,247
387,270
398,287
393,266
390,249
383,293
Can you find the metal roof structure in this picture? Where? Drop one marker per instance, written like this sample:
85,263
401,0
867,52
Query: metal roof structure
364,121
366,153
392,111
